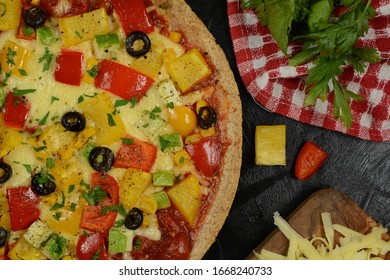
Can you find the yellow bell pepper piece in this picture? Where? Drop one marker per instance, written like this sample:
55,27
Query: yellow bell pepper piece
67,222
150,64
84,27
188,69
132,185
98,110
4,211
185,196
175,36
14,58
9,138
147,205
25,251
10,12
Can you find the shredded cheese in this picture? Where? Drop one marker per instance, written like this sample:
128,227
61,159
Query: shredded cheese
352,245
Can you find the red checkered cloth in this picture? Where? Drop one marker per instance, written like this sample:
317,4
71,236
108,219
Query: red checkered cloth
281,88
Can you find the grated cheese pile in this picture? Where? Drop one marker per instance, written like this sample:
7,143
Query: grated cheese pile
352,245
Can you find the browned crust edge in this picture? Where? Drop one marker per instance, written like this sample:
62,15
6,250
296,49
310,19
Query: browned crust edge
184,19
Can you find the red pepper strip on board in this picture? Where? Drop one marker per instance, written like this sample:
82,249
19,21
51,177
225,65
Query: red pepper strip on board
69,67
121,80
16,111
23,207
133,16
310,159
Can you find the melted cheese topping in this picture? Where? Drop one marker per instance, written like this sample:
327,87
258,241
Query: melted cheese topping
49,100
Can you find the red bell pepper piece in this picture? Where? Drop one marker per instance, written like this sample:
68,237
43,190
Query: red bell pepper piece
23,207
69,67
310,159
133,16
16,111
92,218
91,247
121,80
206,154
139,155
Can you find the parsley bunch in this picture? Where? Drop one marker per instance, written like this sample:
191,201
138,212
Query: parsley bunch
328,40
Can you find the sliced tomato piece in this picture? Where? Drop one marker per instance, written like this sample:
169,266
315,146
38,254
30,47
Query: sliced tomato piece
174,248
69,67
16,111
206,154
92,218
138,154
310,159
25,32
122,80
133,16
61,8
92,247
23,207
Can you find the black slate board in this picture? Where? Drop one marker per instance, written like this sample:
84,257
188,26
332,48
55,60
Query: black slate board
358,168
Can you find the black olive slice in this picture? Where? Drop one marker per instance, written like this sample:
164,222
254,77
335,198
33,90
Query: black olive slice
3,237
101,159
73,121
43,184
5,172
34,17
134,218
132,39
206,117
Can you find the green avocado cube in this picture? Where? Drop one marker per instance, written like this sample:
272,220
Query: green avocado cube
55,248
171,142
120,240
163,178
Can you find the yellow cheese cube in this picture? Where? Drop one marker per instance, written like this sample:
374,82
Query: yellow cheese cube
84,27
270,145
188,69
132,185
10,11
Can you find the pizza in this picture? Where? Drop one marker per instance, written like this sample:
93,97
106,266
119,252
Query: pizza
120,131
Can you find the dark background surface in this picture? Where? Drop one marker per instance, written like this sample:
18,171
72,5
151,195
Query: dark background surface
358,168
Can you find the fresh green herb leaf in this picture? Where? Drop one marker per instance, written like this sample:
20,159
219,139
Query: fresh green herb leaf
57,206
121,210
46,58
121,102
44,119
23,72
28,168
53,99
22,92
127,141
10,56
27,30
93,71
50,162
111,121
78,34
95,196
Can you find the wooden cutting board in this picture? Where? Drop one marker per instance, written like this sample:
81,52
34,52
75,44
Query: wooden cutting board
306,219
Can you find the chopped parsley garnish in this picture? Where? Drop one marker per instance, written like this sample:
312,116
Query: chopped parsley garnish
22,92
93,71
10,56
121,210
46,58
54,99
44,119
22,72
95,196
127,141
27,30
111,121
57,206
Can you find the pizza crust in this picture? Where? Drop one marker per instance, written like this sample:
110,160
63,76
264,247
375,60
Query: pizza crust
182,18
